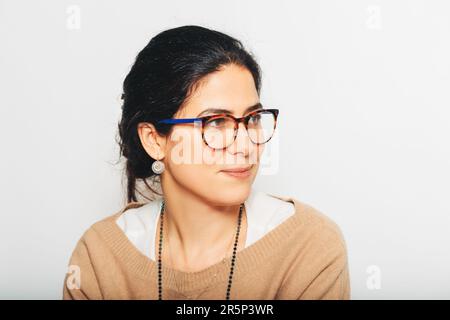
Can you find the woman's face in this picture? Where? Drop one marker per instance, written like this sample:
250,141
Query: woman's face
196,167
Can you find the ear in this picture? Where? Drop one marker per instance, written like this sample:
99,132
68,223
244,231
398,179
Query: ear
153,143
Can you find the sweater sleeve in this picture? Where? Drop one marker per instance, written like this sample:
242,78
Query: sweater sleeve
332,282
320,270
80,282
330,279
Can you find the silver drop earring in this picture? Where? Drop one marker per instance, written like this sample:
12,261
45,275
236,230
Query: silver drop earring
158,167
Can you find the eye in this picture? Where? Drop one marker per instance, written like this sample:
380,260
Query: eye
217,122
255,119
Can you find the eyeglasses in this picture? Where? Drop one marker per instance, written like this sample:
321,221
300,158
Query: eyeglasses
219,131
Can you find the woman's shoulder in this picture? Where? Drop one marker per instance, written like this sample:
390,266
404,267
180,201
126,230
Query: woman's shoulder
312,222
315,253
129,207
104,225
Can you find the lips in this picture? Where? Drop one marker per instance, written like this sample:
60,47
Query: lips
240,173
238,169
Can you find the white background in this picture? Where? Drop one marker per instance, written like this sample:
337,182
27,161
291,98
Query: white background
363,92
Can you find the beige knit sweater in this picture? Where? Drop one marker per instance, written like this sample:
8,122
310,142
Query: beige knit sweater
305,257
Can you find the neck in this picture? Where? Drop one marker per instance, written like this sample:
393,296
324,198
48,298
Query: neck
199,230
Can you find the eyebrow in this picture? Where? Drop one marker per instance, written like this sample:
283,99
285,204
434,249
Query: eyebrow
221,110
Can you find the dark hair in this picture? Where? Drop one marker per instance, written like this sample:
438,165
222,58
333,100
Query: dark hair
162,78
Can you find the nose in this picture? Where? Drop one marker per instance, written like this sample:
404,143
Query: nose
242,142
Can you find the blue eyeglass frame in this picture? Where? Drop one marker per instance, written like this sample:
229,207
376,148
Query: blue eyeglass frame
245,119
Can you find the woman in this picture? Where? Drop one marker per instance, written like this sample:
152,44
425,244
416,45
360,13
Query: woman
192,131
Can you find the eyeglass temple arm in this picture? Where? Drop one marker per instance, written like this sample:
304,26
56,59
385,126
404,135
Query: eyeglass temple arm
189,120
174,121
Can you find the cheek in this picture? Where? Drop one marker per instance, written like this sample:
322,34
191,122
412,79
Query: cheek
191,163
195,166
258,151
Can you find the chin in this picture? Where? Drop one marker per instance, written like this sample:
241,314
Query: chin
233,195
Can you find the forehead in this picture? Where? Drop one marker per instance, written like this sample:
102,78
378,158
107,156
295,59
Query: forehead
232,88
